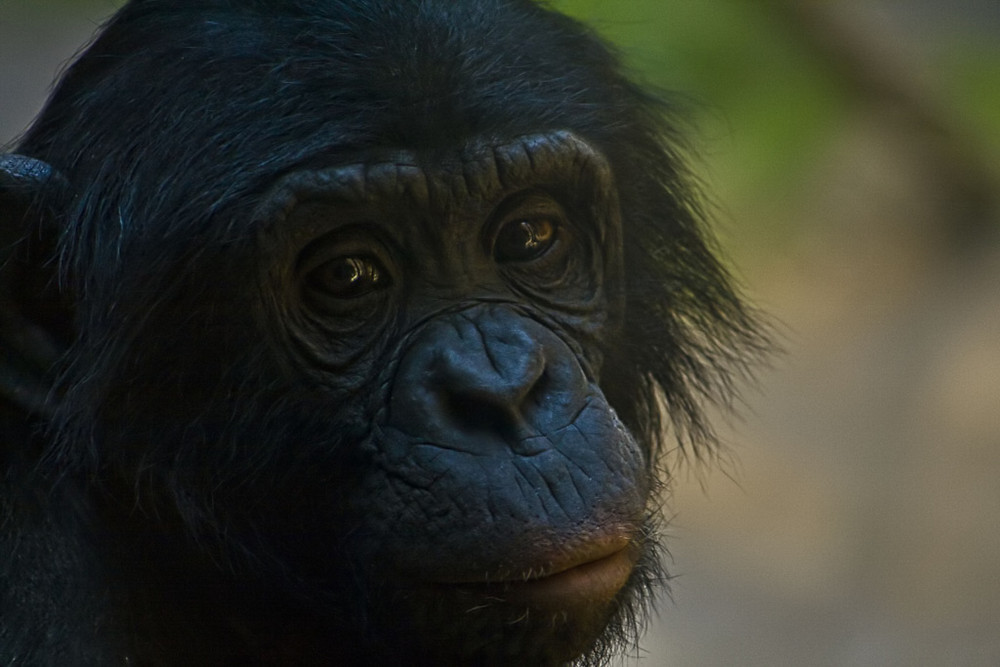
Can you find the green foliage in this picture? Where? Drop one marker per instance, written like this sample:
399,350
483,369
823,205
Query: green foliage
766,107
974,89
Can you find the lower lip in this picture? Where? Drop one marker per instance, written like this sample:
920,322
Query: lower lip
590,583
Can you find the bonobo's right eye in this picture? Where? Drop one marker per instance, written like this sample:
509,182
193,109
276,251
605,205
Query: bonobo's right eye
348,277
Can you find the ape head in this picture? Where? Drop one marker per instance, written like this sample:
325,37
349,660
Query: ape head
348,331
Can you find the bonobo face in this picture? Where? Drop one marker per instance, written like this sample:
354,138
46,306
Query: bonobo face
319,327
499,503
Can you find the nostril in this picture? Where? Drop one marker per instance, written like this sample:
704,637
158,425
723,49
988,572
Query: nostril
535,396
482,413
498,408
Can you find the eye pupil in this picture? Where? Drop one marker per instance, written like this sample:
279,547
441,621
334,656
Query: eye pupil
524,240
350,270
348,277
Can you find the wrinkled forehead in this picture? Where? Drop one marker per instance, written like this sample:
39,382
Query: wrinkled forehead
480,171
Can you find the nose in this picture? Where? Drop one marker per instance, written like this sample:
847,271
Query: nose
483,379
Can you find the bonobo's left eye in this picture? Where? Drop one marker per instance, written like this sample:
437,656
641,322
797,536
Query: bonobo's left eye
524,239
348,277
529,228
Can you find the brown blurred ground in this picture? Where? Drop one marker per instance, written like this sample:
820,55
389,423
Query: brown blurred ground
863,527
857,521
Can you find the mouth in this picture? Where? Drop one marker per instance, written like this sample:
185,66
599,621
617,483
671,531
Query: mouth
595,581
553,605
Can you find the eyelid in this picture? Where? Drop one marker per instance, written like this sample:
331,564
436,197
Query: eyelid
356,240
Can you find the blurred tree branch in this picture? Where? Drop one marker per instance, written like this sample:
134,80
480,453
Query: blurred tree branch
861,52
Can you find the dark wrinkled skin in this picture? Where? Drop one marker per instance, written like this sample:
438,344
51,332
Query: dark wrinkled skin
344,333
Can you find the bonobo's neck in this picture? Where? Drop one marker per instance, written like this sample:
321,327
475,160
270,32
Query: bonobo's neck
15,433
173,607
50,589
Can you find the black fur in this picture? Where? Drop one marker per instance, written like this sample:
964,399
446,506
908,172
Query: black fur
188,473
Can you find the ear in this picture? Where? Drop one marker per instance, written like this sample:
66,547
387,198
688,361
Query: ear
35,316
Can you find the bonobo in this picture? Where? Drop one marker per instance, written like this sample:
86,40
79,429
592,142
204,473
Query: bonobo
344,331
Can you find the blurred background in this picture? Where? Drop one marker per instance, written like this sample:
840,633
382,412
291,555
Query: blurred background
852,154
